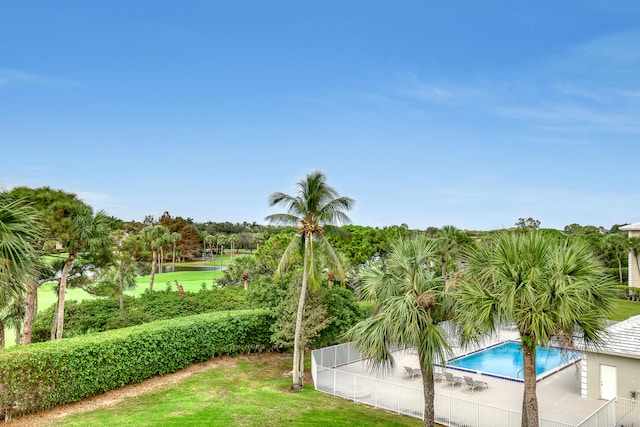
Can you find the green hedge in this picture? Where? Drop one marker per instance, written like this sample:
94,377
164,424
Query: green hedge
102,314
44,375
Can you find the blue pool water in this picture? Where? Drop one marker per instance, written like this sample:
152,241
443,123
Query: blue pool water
505,360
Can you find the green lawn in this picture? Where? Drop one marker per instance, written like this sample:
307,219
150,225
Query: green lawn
190,281
246,393
625,309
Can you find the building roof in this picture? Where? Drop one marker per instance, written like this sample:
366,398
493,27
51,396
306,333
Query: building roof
622,339
630,227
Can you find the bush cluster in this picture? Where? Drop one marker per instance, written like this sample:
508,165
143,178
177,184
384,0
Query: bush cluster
44,375
103,314
342,308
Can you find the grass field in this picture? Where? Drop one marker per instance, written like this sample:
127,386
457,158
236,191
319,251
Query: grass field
240,393
190,281
625,309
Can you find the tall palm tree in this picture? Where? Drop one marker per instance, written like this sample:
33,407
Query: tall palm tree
203,236
617,245
222,240
175,238
551,288
451,241
84,232
314,206
155,237
409,300
211,241
233,238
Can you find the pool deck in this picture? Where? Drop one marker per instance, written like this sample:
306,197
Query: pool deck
558,395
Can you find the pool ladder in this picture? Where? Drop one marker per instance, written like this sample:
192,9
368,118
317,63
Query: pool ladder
519,371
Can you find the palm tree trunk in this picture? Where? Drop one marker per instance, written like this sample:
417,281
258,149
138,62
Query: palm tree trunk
62,290
298,354
54,323
173,259
530,400
121,295
154,257
31,306
620,269
246,285
1,335
428,389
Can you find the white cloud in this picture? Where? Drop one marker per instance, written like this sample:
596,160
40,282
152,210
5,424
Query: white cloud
9,77
410,86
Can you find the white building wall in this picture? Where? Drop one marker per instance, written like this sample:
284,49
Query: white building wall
583,376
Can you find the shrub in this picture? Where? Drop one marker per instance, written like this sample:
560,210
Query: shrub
44,375
102,314
341,306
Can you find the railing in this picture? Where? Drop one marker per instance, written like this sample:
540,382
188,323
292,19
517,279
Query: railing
409,400
627,412
604,416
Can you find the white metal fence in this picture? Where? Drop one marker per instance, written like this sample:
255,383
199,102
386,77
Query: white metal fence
409,400
627,412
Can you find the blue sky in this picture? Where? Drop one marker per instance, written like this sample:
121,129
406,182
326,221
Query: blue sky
466,113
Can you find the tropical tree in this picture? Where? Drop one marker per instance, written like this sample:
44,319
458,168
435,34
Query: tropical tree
634,247
47,272
331,274
528,224
202,235
19,233
211,241
243,268
315,206
222,240
410,300
175,238
550,288
617,245
11,316
451,241
258,239
120,275
155,237
84,232
233,238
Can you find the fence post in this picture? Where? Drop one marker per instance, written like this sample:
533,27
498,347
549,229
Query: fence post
355,378
334,382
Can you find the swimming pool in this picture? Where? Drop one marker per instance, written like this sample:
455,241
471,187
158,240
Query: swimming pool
505,361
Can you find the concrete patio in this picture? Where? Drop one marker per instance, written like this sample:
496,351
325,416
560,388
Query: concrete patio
558,395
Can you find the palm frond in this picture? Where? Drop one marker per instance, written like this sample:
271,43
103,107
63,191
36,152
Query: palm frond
290,256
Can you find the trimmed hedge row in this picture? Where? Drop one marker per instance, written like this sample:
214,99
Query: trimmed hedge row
43,375
101,314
